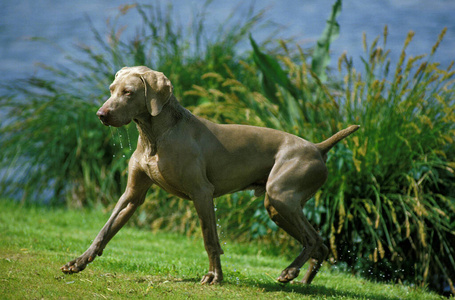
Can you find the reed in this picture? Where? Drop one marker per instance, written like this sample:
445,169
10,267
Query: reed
386,207
54,148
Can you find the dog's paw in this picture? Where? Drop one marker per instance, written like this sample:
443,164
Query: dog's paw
74,266
80,263
289,274
212,278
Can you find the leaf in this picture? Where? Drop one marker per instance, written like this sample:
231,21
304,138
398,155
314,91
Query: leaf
272,73
321,55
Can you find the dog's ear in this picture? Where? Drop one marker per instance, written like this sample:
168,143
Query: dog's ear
158,91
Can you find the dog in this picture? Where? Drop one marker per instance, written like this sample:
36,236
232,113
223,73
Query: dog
199,160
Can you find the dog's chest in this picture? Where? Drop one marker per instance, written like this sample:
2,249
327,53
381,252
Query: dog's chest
151,167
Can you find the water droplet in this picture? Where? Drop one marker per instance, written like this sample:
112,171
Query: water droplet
112,136
128,136
120,138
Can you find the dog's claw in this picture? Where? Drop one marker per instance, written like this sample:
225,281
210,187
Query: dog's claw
78,264
288,274
71,268
211,278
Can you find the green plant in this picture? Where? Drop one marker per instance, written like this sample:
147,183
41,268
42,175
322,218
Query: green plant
321,54
387,204
393,205
297,98
57,150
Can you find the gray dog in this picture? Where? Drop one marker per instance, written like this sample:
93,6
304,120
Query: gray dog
198,160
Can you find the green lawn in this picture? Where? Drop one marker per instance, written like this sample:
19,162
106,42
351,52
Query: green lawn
36,242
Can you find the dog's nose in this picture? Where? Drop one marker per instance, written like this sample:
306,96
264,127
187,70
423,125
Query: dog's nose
101,113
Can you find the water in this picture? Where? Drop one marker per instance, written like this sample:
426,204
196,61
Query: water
63,24
113,138
120,138
112,135
129,140
226,258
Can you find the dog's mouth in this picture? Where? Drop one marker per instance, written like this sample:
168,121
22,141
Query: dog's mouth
104,121
110,121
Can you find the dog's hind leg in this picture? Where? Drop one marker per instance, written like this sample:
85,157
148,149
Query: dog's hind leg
289,186
318,258
296,225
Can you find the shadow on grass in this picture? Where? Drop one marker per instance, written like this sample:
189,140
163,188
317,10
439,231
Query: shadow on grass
304,290
316,290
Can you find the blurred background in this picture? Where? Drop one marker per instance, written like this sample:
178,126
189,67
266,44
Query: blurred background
58,26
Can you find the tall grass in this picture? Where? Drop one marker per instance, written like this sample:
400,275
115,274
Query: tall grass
405,172
53,147
386,208
393,206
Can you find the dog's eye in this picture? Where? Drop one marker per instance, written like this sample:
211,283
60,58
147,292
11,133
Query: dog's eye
127,92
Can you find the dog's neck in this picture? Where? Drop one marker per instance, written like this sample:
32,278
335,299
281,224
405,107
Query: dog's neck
153,129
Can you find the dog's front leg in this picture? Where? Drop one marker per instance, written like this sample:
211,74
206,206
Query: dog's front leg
124,209
133,197
206,212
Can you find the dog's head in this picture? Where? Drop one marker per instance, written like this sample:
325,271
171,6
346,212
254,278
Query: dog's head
135,90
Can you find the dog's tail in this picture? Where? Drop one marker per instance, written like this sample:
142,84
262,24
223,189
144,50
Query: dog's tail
326,145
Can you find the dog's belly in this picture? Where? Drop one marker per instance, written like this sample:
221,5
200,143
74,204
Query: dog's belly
257,186
238,176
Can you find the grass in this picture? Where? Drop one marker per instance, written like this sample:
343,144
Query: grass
36,241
